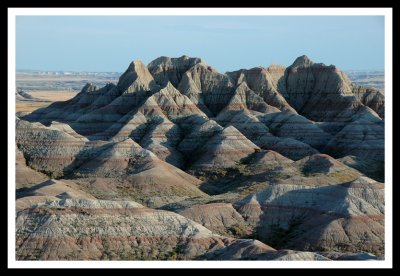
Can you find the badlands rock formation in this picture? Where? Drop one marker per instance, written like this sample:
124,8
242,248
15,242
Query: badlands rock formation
265,82
371,97
82,229
234,163
343,217
221,218
26,176
166,69
48,149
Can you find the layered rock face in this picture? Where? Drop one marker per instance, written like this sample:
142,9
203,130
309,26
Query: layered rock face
320,92
71,229
224,149
345,217
166,69
25,176
289,156
372,98
135,168
265,82
47,149
221,218
207,88
83,229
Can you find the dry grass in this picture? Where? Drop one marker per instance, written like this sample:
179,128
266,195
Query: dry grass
50,96
29,106
53,96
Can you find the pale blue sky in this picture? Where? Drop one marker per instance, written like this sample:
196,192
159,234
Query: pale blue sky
109,43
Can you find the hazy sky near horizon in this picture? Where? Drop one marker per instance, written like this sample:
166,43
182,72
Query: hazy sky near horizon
227,43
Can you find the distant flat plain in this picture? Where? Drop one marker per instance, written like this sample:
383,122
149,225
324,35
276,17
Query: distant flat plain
52,86
29,80
375,79
48,97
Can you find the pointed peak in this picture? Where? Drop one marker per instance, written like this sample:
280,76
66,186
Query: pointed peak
136,78
89,87
128,142
170,86
276,67
135,64
230,133
168,89
136,67
302,61
138,62
231,129
242,85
